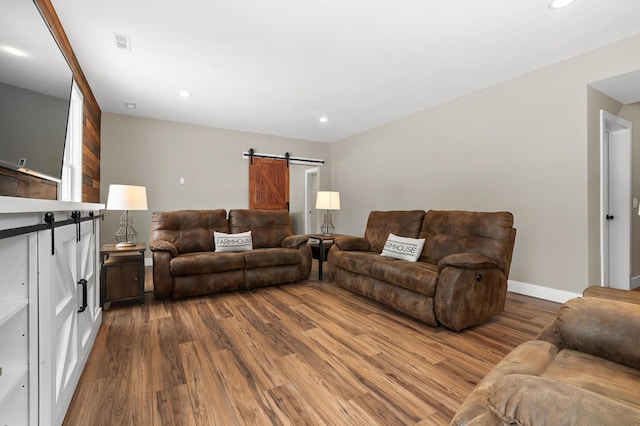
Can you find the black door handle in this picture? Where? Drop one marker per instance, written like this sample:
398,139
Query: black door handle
83,283
609,217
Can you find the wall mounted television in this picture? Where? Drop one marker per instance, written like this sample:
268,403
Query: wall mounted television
35,92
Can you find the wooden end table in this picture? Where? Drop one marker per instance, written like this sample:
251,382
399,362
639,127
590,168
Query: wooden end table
121,274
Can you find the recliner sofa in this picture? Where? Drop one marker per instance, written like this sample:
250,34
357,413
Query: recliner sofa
460,278
185,262
583,369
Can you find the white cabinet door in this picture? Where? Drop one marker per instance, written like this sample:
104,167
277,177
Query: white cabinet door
67,327
88,266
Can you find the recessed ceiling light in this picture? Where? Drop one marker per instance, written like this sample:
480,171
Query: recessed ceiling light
14,51
130,105
185,94
558,4
323,119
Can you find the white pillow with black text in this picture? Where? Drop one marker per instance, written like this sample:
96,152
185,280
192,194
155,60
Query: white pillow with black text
403,248
232,242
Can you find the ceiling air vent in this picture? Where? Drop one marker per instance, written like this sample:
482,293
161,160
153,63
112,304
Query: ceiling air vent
122,41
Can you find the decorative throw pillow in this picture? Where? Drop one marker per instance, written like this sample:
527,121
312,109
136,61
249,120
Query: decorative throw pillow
232,242
403,248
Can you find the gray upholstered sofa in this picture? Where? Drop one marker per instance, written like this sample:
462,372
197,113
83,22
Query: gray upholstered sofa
583,369
186,263
460,278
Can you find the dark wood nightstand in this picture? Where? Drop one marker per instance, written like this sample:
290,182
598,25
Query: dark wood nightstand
121,274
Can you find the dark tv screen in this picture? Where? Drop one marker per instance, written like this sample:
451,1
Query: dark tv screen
35,91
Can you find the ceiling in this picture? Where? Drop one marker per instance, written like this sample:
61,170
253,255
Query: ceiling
275,67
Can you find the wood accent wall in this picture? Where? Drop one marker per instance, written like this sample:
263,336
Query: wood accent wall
18,184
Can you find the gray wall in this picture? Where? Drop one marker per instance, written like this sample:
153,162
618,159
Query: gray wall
155,153
520,146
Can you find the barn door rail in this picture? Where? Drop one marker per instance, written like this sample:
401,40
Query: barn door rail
251,154
50,223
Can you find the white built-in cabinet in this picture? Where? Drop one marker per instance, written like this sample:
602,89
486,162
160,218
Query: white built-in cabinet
49,307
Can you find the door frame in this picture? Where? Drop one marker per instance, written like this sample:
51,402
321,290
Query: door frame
311,186
614,129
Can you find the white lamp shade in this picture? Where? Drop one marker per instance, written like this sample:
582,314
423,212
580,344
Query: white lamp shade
127,197
328,200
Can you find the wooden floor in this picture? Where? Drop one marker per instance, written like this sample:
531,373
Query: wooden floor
309,353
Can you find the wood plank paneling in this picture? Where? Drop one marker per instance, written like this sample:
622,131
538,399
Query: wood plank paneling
307,353
18,184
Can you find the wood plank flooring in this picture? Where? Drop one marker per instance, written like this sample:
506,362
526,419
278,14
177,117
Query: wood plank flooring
309,353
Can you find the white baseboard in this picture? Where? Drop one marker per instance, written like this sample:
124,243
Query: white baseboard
635,282
540,292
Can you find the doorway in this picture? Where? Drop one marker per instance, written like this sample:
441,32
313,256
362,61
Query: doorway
311,185
615,201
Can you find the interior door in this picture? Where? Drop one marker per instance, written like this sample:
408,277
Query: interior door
615,201
268,184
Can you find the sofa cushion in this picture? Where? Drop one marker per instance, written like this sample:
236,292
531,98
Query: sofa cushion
261,258
205,263
530,400
359,262
595,374
188,230
420,277
405,223
403,248
450,232
268,227
232,242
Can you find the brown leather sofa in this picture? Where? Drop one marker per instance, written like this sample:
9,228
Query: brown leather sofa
583,369
185,263
460,278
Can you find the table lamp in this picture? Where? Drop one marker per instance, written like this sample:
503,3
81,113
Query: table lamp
328,200
126,197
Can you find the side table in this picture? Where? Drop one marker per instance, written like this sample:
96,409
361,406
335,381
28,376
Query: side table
320,249
121,274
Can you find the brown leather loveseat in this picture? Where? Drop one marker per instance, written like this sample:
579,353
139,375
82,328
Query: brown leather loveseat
459,279
583,369
185,262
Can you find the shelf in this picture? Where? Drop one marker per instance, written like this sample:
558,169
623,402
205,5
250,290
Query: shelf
10,379
8,308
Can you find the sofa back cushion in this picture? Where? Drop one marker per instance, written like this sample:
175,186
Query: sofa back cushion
404,223
189,230
268,227
449,232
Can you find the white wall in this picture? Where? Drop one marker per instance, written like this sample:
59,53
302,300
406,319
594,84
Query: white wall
520,146
155,153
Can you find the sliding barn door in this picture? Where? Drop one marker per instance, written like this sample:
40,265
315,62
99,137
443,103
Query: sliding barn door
268,184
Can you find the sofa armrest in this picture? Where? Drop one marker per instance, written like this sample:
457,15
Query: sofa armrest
467,261
294,241
163,245
162,278
604,328
352,244
471,289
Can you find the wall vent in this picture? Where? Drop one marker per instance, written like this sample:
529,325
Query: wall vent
122,41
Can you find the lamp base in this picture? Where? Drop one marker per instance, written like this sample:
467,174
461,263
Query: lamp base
125,245
327,227
126,235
